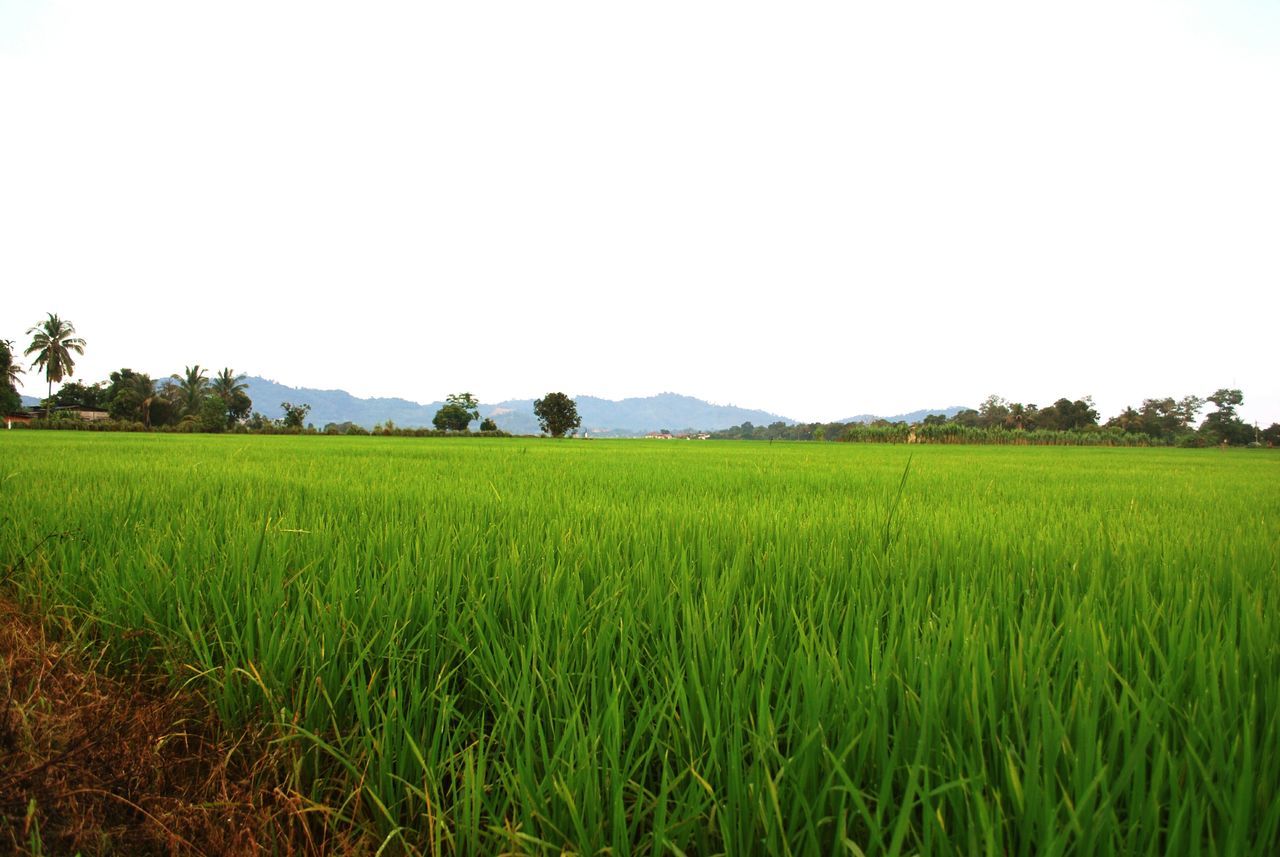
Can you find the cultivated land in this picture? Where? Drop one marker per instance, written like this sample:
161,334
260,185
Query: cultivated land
483,645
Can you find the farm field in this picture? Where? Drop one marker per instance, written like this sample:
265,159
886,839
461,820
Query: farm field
530,646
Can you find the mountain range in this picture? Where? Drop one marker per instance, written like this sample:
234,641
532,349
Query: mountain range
910,417
600,417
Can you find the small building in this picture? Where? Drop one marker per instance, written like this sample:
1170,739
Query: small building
82,412
10,420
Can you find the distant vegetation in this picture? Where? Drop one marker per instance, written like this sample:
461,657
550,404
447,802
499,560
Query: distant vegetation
1157,422
457,413
186,402
191,402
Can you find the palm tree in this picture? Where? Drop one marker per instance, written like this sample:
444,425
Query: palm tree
9,371
192,386
1017,418
227,385
52,342
145,389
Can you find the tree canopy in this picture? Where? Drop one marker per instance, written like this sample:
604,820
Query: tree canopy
10,401
459,410
52,342
557,414
190,388
229,389
1223,426
294,415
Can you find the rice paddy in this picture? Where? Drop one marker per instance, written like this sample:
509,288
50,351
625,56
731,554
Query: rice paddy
529,646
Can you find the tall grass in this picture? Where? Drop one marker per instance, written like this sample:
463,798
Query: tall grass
702,648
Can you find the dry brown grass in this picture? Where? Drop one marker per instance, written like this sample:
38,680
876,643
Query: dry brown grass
96,764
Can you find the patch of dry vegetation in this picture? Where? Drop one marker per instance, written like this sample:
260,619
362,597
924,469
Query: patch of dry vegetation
96,764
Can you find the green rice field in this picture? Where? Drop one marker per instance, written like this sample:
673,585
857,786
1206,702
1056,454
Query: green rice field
635,647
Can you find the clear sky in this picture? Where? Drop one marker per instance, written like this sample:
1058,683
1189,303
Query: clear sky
820,209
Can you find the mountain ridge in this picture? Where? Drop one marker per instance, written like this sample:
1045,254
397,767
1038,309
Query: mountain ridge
627,417
909,417
600,417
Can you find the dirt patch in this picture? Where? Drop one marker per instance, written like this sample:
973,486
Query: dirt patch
97,764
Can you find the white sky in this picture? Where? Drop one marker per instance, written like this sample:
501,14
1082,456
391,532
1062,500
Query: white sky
820,209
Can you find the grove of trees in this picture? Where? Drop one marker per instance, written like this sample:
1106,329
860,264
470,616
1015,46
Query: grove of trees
191,401
459,410
1163,421
186,401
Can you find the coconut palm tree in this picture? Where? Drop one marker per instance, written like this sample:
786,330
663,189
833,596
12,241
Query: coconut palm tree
192,386
227,383
9,371
145,389
52,342
1018,416
230,387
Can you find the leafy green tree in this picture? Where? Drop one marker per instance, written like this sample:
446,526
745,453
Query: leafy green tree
1227,401
346,427
52,341
993,412
10,400
457,413
130,396
557,414
294,415
1068,415
75,393
9,369
230,389
776,430
167,405
1188,407
192,386
1159,417
1223,426
488,425
1020,417
1128,420
213,415
1163,419
1271,435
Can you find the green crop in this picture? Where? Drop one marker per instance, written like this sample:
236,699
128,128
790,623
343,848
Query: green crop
705,648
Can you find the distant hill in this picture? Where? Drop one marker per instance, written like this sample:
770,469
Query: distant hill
623,418
600,417
912,417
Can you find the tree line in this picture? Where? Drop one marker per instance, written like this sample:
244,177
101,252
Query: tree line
1163,421
557,414
194,402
